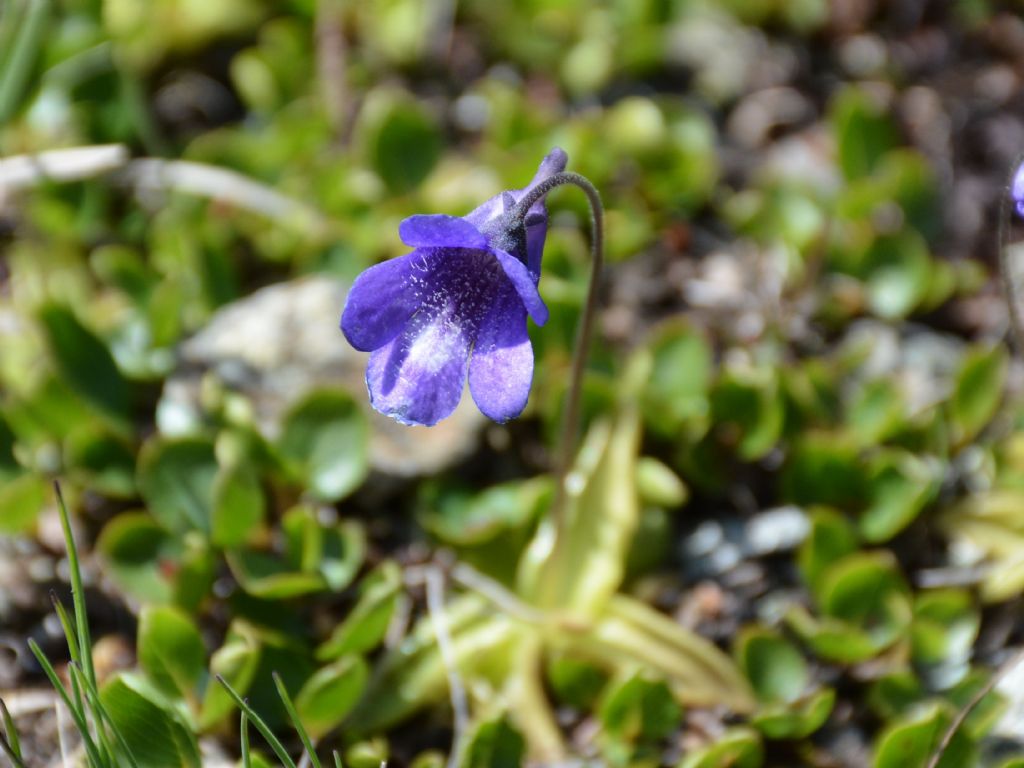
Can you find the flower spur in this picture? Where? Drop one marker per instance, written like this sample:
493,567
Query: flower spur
456,307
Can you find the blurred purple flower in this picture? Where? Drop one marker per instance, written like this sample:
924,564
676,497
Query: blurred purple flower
458,302
1017,190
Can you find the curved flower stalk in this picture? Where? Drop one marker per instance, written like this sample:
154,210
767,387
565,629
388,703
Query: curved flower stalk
456,306
1011,255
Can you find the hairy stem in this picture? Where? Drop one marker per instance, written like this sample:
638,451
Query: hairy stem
1010,273
571,418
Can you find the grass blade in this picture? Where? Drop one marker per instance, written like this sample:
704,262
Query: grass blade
293,715
10,743
12,732
261,726
16,761
72,641
17,71
76,712
97,704
69,631
77,593
337,760
244,730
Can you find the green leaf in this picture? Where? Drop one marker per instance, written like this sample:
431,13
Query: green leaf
831,538
658,484
330,694
176,478
135,549
21,501
414,675
831,638
876,412
584,569
639,709
774,666
264,575
629,634
986,713
236,661
748,410
171,651
344,549
865,605
895,693
912,740
157,733
336,552
401,138
899,270
494,744
575,682
796,719
736,748
978,390
863,132
106,461
946,624
238,506
900,485
370,753
824,468
677,390
325,440
18,63
196,571
868,590
368,621
85,363
465,519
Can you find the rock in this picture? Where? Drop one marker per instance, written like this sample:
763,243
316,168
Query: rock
282,342
776,530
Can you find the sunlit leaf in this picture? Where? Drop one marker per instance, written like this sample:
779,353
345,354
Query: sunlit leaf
157,733
328,696
913,739
176,478
238,506
21,501
978,390
325,438
736,748
171,650
365,625
85,362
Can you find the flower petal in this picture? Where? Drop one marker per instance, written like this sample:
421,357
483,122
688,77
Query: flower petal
383,298
487,211
553,162
418,377
1017,190
440,231
537,218
524,284
501,368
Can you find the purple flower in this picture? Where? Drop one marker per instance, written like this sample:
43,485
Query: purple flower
457,303
1017,190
